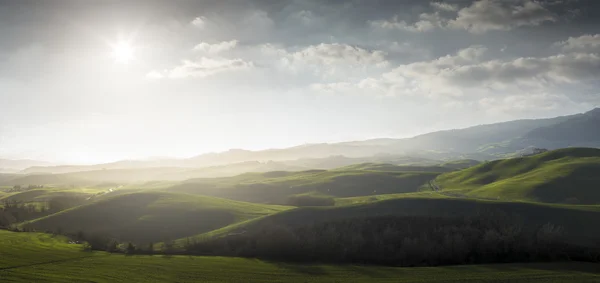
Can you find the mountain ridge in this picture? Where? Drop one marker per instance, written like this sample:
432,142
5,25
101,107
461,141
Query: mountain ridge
480,142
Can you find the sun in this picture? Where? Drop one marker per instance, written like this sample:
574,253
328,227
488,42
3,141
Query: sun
123,52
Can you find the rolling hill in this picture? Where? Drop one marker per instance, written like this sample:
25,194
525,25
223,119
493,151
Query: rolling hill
278,186
482,142
574,219
151,216
561,176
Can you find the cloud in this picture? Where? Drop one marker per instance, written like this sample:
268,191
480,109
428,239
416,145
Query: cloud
487,15
217,47
257,19
480,17
326,54
154,75
444,6
199,22
589,43
468,75
304,16
201,68
427,22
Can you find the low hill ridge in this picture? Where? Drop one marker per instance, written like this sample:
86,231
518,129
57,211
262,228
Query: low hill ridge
560,176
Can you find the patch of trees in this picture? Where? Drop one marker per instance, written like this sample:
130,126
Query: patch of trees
19,188
12,211
402,241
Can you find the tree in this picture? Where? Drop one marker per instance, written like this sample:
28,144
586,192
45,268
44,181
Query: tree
112,247
130,248
151,247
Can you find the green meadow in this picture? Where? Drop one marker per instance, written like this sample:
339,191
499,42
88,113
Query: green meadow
34,257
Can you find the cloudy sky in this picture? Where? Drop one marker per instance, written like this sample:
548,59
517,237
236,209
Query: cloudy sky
94,81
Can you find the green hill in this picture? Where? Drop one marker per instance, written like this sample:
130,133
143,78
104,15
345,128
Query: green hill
386,167
42,179
277,187
560,176
574,220
460,164
151,216
35,257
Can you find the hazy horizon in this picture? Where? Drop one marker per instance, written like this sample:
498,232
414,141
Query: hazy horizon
93,82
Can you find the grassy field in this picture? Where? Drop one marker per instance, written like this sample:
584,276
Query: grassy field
560,176
152,216
375,198
45,194
277,187
575,219
33,257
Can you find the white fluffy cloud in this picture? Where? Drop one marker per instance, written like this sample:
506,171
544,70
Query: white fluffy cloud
589,43
481,16
201,68
468,75
339,54
486,15
426,22
199,22
216,47
444,6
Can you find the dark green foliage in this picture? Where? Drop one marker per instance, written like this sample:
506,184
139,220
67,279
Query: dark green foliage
130,248
404,241
12,212
575,221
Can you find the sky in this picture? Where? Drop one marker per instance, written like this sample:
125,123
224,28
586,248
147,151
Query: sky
99,81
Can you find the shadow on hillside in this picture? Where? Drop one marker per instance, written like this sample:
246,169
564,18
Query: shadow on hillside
366,270
562,267
308,269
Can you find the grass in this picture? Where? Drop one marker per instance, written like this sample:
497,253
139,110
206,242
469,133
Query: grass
386,167
375,198
460,164
33,257
152,216
560,176
278,186
45,194
576,220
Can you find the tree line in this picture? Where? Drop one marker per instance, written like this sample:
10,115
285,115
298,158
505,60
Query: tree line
402,241
14,211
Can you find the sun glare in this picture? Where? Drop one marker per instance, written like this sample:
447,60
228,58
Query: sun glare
122,52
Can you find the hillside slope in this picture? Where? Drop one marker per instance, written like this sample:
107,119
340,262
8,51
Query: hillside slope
574,220
36,257
277,187
559,176
151,216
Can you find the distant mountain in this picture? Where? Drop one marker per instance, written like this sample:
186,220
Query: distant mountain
483,142
475,138
582,128
9,165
